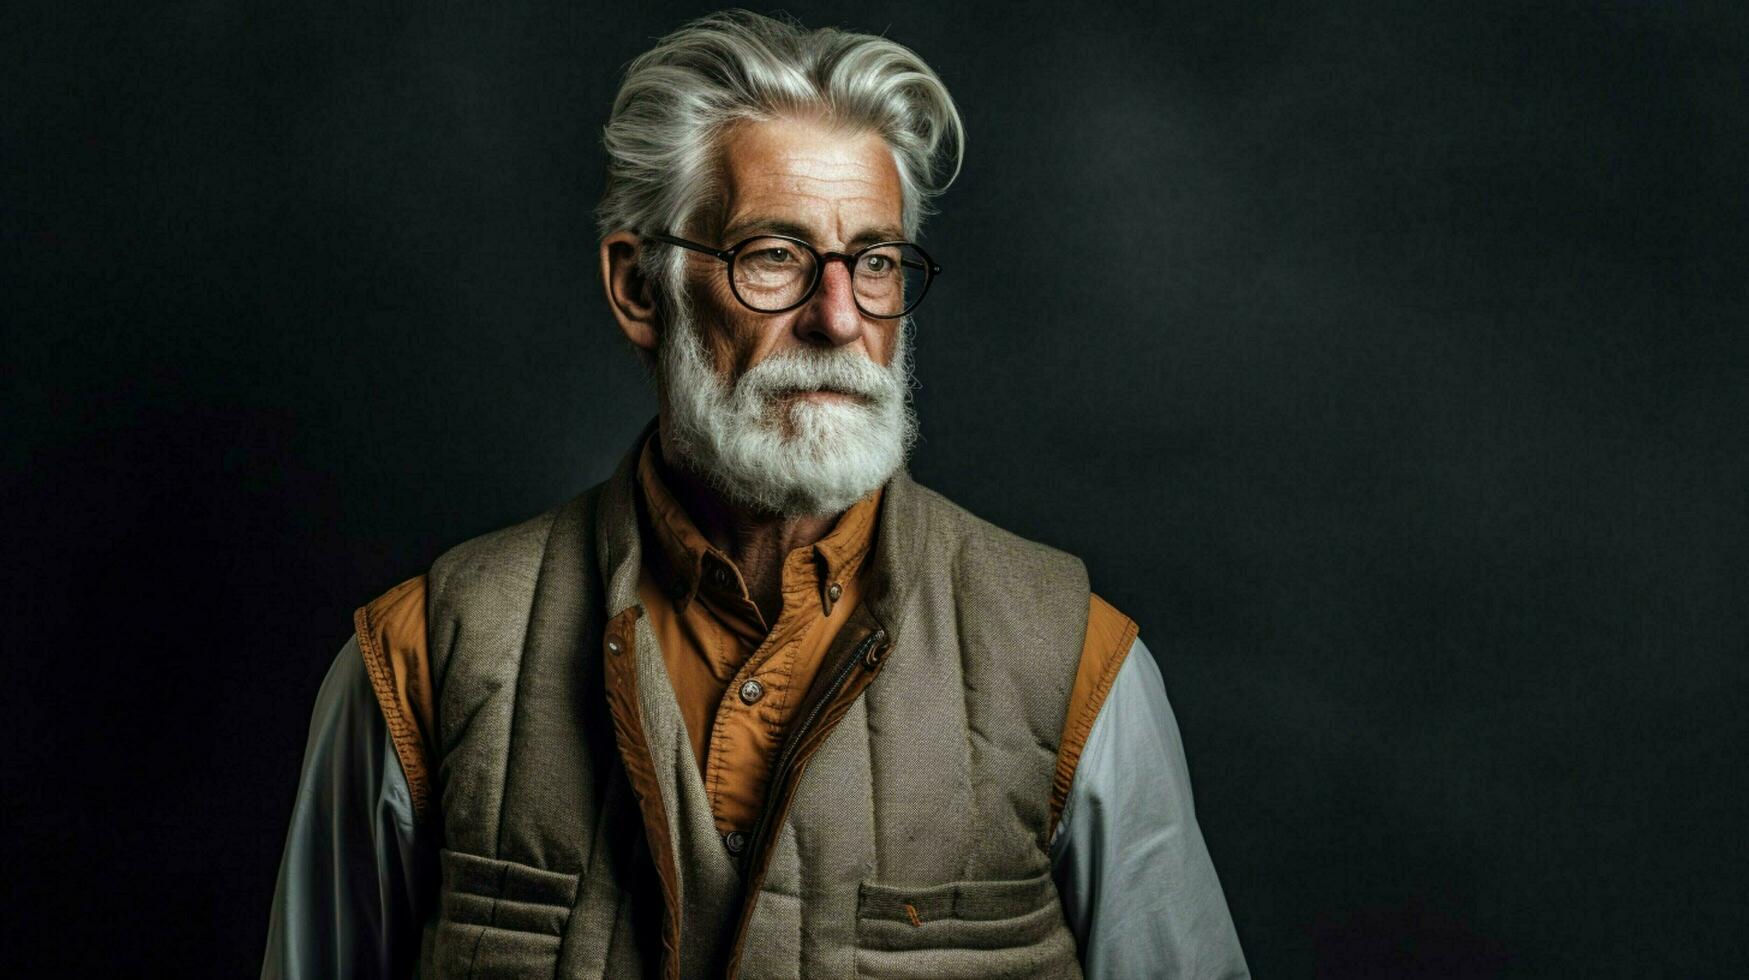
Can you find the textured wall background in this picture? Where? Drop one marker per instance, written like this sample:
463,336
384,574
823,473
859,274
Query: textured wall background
1385,362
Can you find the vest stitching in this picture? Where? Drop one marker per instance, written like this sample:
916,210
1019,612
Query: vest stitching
965,713
516,691
866,754
612,933
868,710
591,873
491,917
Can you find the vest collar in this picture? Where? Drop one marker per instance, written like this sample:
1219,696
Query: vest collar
618,554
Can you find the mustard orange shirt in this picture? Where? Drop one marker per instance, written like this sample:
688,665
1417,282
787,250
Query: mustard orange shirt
739,680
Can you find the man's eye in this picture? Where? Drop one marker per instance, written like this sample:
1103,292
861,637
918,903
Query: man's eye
774,256
877,263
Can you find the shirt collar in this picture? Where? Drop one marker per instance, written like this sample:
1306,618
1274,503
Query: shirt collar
692,561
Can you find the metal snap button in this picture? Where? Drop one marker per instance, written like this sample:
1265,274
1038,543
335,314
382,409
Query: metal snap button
720,577
834,591
613,645
735,841
751,691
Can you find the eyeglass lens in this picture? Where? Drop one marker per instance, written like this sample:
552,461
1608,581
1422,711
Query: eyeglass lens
773,274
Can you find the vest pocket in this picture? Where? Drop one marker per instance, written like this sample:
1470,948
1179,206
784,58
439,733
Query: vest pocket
967,915
500,918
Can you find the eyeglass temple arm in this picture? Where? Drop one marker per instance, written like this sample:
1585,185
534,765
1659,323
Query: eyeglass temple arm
723,254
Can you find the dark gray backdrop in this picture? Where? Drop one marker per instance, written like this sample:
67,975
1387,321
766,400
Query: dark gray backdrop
1384,362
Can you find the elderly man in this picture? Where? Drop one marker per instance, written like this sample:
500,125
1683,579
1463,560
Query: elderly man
758,705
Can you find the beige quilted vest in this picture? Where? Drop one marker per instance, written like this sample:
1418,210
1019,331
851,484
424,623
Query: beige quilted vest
905,831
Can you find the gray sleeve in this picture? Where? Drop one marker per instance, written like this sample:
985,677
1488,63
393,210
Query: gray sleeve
1137,885
349,882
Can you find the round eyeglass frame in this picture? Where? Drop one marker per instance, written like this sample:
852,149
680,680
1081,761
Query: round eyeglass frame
727,255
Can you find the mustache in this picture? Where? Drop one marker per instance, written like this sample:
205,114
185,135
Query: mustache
842,371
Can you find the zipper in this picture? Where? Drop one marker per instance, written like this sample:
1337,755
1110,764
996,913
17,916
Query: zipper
780,772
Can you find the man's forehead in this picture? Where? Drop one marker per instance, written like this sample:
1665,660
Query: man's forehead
805,178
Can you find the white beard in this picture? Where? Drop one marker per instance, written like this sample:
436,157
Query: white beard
813,457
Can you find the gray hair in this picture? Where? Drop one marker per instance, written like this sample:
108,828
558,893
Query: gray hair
679,97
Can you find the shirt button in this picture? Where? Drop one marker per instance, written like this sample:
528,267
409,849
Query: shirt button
735,841
613,645
834,591
752,691
720,577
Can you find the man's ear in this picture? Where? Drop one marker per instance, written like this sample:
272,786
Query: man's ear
630,295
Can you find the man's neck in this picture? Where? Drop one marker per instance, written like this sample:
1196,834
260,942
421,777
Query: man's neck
756,542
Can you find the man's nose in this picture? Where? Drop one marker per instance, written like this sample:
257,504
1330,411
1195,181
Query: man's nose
830,317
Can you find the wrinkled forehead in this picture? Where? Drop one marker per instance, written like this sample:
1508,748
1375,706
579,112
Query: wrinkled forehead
833,186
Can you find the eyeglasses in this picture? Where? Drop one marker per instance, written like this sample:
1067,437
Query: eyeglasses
777,273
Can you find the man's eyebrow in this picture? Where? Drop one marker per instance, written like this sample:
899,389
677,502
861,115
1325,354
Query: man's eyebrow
742,230
748,227
882,234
